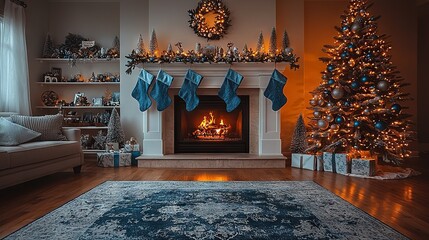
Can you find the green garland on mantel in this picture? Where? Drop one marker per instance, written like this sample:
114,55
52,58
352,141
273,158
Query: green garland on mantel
214,55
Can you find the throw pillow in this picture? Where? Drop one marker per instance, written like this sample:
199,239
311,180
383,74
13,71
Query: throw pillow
12,134
49,126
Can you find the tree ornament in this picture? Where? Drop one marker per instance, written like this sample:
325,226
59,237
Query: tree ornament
285,41
335,127
339,119
357,25
380,125
352,62
337,93
313,102
382,85
329,118
321,102
345,28
260,46
299,143
350,46
354,85
329,104
317,114
273,42
322,124
356,123
330,67
153,47
344,55
396,108
364,79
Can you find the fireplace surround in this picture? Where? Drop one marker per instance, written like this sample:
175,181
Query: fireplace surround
264,123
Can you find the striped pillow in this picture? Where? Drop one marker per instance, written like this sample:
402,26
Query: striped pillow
49,126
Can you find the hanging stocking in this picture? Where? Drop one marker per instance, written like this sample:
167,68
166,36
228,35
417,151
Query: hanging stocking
188,91
160,90
274,90
140,90
228,90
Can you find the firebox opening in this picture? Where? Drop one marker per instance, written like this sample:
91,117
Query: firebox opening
210,128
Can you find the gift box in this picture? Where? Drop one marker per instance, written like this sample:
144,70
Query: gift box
113,159
364,167
319,162
329,162
296,160
134,155
342,163
131,147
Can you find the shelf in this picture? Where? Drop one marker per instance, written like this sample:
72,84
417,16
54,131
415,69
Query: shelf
78,83
88,128
77,107
79,60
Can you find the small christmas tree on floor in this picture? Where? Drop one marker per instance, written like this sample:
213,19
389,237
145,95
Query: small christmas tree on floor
357,106
299,142
115,133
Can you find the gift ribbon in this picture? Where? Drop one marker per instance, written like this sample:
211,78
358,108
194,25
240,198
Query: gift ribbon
116,159
334,166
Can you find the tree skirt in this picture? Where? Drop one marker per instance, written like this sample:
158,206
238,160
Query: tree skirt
207,210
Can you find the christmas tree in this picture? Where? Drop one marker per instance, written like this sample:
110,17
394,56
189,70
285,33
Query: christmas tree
153,47
115,133
273,42
260,46
140,46
48,47
357,106
285,42
299,143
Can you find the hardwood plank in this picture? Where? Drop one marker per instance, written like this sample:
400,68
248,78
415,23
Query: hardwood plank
401,204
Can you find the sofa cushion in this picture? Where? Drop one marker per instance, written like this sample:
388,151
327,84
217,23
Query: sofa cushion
12,134
4,160
49,126
34,152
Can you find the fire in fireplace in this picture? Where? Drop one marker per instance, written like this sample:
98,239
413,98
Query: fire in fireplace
210,128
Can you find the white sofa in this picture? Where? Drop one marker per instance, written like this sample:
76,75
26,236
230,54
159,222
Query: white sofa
35,159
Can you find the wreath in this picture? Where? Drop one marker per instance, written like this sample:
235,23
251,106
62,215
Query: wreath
221,19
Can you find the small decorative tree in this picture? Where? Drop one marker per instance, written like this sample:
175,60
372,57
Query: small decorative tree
141,50
48,47
260,46
153,47
299,142
273,42
285,41
115,133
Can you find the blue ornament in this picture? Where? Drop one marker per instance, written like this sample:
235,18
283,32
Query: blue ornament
356,123
354,85
351,45
347,104
369,56
364,78
339,119
380,125
344,55
396,108
331,67
345,28
331,81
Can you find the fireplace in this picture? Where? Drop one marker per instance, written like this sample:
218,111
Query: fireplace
210,128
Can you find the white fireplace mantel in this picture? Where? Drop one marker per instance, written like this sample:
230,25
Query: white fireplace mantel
256,76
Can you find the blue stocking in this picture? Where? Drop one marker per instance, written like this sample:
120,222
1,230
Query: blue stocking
160,90
188,91
274,90
140,90
228,90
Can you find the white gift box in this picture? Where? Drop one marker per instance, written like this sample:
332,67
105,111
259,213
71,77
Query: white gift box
319,162
131,148
113,159
296,160
365,167
342,163
329,162
305,161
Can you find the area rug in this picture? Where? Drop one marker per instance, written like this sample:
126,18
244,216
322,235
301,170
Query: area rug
207,210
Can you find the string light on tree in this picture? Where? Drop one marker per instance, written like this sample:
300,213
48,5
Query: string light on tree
357,105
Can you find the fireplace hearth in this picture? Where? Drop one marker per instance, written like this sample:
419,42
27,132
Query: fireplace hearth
210,128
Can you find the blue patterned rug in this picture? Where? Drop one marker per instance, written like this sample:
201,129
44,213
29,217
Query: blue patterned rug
207,210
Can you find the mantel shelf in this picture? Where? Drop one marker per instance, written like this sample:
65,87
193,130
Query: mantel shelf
79,60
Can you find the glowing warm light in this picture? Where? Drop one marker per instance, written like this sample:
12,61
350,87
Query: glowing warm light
211,178
208,129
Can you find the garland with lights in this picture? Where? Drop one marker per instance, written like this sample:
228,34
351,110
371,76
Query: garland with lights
357,105
198,20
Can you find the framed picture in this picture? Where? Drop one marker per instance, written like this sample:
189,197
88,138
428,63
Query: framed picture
77,97
56,72
97,101
116,98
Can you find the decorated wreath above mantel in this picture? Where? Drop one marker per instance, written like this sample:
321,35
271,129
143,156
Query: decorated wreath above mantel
213,54
210,19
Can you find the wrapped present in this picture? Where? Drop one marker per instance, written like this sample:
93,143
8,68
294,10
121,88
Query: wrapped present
131,147
364,167
342,163
308,161
329,162
113,159
296,160
134,155
319,162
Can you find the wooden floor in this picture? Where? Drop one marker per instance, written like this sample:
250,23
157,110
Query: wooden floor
401,204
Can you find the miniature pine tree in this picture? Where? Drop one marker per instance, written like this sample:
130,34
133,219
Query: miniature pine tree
299,142
153,47
140,46
169,48
48,47
357,106
273,41
115,133
260,45
285,41
116,44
